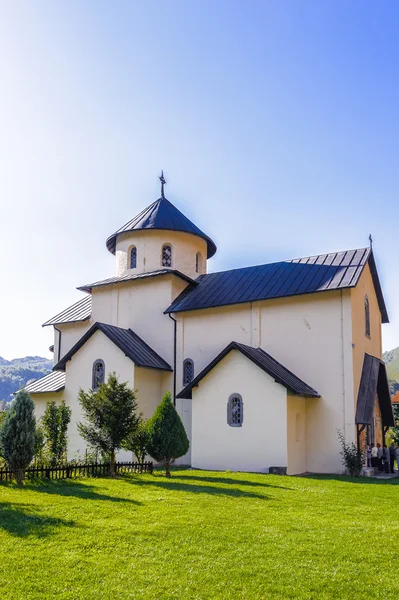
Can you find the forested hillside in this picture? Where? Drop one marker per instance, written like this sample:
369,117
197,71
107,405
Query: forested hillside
391,359
16,373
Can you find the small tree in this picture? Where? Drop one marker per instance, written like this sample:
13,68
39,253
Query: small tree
167,438
137,441
18,434
110,415
55,424
352,456
40,442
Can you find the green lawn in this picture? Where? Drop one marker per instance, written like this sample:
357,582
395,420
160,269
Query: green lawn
200,535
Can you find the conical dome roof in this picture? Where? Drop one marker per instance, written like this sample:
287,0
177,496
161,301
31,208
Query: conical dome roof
161,214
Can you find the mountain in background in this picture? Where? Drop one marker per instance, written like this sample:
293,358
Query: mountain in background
391,359
16,373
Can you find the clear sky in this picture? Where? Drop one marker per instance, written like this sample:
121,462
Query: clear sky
277,125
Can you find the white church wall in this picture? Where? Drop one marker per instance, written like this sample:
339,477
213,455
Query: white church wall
139,305
149,386
149,251
296,434
310,335
41,400
70,334
79,375
261,442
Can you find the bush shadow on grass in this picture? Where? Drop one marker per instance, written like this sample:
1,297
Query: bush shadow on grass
21,520
73,488
173,484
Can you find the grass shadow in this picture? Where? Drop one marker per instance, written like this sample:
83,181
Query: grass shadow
21,520
161,482
349,479
73,488
228,481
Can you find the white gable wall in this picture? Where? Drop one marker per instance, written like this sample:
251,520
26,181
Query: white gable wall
261,442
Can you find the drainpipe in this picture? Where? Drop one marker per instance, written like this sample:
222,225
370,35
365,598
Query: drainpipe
59,343
343,368
174,356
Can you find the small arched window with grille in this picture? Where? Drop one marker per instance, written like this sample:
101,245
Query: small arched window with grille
167,255
198,262
235,411
133,257
367,316
188,371
98,376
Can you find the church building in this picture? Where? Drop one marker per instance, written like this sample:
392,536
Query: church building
266,364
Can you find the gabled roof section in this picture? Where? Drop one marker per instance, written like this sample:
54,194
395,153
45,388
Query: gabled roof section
265,362
89,286
80,311
374,380
325,272
161,214
127,341
53,382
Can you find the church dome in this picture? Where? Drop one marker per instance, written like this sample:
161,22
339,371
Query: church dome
161,214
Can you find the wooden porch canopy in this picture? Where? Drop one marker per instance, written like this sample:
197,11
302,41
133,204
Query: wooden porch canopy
374,381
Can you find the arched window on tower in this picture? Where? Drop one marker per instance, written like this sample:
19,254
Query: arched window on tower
98,376
167,255
188,371
133,257
367,316
198,262
235,411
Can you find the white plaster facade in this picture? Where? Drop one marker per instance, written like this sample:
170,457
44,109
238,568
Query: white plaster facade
313,335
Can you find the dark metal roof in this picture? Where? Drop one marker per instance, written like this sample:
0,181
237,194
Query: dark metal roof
161,214
80,311
374,380
53,382
264,361
89,286
126,340
325,272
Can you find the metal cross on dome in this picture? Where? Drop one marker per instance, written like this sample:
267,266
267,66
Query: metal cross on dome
163,182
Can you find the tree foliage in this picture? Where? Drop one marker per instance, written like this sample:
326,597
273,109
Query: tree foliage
55,425
110,415
137,440
167,438
352,456
40,443
18,434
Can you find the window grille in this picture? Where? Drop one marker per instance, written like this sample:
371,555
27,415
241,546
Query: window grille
367,316
98,377
235,412
167,256
188,371
133,257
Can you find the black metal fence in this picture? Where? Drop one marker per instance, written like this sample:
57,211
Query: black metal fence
79,470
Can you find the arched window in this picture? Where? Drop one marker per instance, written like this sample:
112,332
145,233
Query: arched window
167,255
188,371
235,411
133,257
98,376
198,262
367,316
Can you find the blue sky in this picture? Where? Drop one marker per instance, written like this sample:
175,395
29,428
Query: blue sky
276,124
